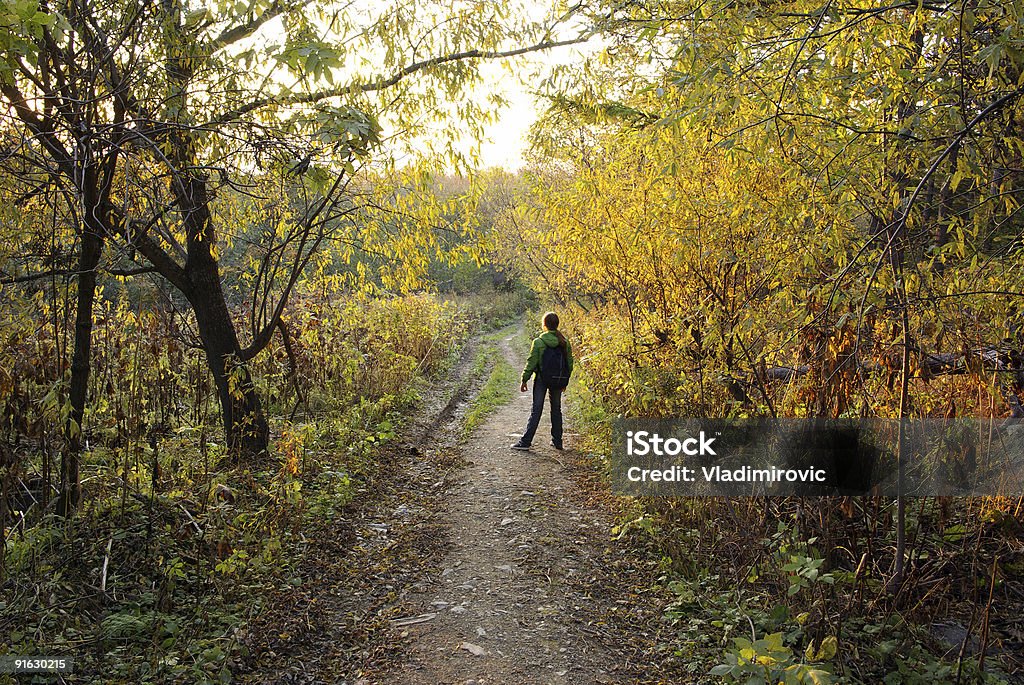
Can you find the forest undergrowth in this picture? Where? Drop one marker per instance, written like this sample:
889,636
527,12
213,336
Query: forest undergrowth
798,590
179,549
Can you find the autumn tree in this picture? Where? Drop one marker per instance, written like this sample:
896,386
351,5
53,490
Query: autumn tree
905,117
151,114
879,148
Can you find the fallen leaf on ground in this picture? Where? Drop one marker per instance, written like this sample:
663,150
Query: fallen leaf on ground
475,650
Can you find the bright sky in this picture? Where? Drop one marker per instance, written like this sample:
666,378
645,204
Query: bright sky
507,136
505,140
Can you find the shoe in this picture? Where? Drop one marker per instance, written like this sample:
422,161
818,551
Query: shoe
520,446
557,446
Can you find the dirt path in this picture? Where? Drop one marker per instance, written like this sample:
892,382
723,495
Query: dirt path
509,601
464,563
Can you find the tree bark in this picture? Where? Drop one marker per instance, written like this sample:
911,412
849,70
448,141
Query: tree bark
88,261
245,426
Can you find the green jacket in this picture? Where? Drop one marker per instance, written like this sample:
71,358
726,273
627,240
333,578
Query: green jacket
546,339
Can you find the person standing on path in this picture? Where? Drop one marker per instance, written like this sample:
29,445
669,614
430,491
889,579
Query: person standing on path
551,361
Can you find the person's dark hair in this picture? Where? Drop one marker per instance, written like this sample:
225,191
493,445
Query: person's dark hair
551,323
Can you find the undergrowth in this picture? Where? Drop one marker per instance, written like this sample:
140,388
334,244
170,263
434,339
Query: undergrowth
178,549
799,590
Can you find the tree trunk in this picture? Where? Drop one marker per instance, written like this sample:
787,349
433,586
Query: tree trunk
88,261
245,426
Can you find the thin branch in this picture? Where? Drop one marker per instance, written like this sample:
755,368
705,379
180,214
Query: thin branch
385,83
236,33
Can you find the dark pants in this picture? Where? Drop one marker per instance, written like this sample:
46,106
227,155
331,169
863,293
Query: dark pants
539,391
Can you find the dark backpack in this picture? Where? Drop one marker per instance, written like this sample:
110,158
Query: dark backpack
554,367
